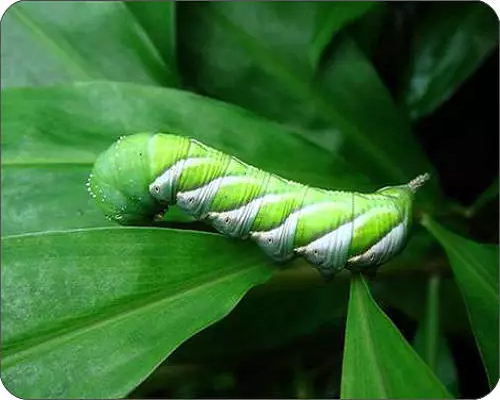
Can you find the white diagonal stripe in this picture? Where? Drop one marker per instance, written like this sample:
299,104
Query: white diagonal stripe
278,242
383,250
330,250
197,202
164,187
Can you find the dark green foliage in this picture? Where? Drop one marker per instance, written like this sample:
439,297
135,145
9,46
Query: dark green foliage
334,94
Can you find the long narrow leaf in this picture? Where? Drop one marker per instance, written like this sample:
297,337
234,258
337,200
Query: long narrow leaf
430,344
450,42
475,267
378,361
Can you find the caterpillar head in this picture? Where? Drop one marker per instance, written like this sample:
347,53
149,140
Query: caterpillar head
120,179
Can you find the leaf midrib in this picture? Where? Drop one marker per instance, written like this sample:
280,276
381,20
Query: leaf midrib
107,228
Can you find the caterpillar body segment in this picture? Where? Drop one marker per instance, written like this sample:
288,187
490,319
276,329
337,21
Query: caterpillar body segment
140,175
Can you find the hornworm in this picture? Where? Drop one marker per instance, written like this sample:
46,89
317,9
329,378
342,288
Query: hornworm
140,175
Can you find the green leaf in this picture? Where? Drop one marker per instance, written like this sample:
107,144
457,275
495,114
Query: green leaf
51,144
378,361
475,267
38,198
228,46
69,305
450,42
270,31
331,18
431,345
158,20
44,43
430,326
376,133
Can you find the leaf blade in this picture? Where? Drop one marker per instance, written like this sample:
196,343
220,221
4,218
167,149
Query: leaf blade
97,321
450,42
429,342
475,267
378,361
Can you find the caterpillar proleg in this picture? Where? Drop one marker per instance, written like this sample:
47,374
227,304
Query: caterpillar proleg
140,175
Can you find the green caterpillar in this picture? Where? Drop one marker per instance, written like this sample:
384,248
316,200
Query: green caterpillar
139,176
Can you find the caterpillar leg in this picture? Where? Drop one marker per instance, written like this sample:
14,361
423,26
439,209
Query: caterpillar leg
159,217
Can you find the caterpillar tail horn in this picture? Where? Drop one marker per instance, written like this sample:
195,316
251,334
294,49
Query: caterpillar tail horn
418,182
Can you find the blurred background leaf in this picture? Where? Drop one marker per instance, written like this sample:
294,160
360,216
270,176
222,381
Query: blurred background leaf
67,305
366,31
330,18
449,44
427,335
223,49
380,135
430,344
45,43
158,20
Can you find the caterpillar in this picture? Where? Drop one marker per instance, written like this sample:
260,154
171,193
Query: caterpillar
139,176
